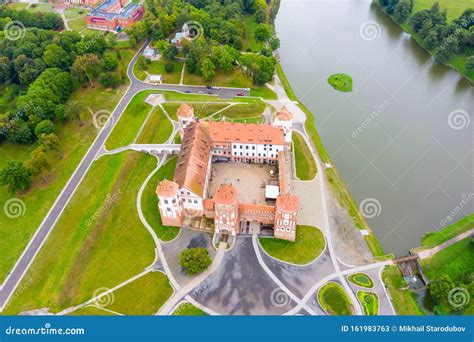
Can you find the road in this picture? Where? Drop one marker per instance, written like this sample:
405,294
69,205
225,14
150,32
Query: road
42,233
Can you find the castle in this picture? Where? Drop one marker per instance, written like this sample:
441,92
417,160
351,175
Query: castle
237,174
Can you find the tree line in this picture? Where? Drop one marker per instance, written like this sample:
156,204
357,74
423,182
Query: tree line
438,36
223,33
38,73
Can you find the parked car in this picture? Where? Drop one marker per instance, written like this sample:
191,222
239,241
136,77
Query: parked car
240,94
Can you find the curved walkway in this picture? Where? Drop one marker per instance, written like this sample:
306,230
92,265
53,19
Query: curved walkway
428,253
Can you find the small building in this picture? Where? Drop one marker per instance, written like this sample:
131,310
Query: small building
155,78
150,53
178,37
114,15
284,119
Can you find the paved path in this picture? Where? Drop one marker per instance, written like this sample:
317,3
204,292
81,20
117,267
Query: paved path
428,253
42,233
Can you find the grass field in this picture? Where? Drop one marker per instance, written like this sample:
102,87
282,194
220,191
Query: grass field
250,43
91,310
234,78
334,300
157,129
403,300
78,25
308,245
201,110
454,8
150,202
454,261
432,239
369,301
133,117
143,296
305,164
95,241
187,309
361,279
75,138
75,12
41,8
18,5
158,67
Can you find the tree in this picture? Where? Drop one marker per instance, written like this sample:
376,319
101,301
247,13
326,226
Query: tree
431,40
260,16
274,43
86,67
110,61
207,69
402,11
50,141
439,288
195,260
20,133
73,110
15,176
169,67
5,69
262,32
55,57
45,127
109,80
37,162
141,62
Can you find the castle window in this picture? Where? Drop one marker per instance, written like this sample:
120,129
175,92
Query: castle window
166,201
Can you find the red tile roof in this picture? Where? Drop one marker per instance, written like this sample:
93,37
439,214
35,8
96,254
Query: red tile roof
225,194
245,133
284,114
167,188
288,202
185,111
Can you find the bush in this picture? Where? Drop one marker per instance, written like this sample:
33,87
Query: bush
45,127
169,67
195,260
109,80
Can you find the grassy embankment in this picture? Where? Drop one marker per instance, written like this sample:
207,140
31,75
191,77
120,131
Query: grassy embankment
403,300
308,245
187,309
158,68
453,10
157,129
334,300
305,164
95,242
432,239
74,140
75,12
336,182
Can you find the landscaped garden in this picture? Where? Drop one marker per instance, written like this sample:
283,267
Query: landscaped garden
305,164
361,279
334,300
195,260
187,309
369,301
149,202
309,244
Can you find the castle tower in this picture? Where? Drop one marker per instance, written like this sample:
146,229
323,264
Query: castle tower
226,206
185,114
284,119
168,203
286,213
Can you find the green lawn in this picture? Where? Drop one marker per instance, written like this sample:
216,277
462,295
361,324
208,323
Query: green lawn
233,78
157,129
41,8
250,43
305,164
403,300
158,67
432,239
454,261
308,245
187,309
201,110
334,300
18,5
133,117
361,279
95,241
369,301
341,82
75,12
454,7
263,92
91,310
150,202
144,296
78,25
285,83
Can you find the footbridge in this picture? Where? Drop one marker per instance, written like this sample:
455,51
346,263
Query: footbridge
155,149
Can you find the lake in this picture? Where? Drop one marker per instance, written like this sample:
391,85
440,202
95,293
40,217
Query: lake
403,139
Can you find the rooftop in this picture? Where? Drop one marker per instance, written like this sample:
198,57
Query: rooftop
245,133
185,111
